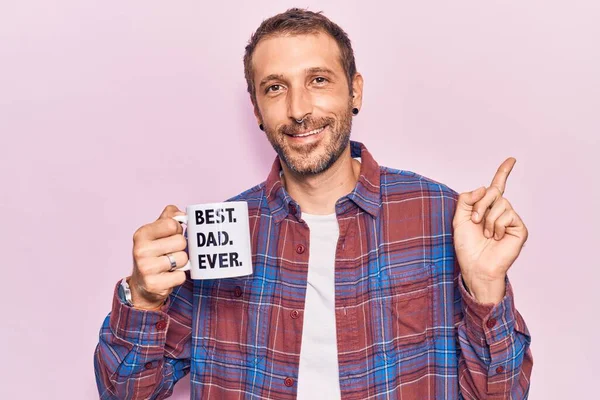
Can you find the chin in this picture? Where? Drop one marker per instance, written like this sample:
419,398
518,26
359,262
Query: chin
314,157
313,164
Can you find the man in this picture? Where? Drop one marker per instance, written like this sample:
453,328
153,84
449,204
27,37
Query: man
368,282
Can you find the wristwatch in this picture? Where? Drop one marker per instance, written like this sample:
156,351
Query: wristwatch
125,293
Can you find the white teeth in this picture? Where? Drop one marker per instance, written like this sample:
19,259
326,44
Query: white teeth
313,132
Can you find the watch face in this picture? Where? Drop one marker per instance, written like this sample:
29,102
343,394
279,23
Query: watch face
123,292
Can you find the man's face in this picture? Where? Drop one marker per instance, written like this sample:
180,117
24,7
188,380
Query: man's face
301,77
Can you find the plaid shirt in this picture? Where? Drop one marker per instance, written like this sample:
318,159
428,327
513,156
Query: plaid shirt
406,326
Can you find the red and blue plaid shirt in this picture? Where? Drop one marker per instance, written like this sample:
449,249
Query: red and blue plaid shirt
406,327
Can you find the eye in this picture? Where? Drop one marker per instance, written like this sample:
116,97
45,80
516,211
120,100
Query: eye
320,79
273,88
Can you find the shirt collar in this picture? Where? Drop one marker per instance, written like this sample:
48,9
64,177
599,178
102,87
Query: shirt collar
366,194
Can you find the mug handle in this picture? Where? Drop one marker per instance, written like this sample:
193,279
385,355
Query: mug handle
183,219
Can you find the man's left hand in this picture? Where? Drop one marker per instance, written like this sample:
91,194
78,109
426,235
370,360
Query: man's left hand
488,237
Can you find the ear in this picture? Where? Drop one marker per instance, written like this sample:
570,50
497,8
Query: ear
357,90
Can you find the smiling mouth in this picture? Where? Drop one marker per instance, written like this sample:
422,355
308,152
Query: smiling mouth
309,133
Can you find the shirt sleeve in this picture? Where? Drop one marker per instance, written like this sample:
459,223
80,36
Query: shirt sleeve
495,360
142,354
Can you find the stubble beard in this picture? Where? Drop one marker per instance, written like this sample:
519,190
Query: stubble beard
305,160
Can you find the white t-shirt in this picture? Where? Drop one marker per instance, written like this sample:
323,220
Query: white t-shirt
318,377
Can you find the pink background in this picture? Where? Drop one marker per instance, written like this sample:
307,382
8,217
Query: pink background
109,111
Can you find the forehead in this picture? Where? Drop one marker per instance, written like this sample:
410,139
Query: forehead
288,55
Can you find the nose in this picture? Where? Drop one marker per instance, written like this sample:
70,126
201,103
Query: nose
299,104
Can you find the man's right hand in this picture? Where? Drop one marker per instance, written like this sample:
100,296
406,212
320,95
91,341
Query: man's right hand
151,282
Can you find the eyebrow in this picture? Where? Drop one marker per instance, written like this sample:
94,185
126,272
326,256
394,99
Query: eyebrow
313,70
321,70
271,77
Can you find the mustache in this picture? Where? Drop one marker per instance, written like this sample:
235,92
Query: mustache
308,124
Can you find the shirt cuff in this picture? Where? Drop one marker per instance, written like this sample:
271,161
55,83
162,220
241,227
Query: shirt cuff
136,326
492,323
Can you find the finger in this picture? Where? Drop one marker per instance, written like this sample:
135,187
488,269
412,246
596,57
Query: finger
170,211
174,279
491,195
468,199
496,211
161,228
160,286
159,247
180,258
502,174
157,265
506,220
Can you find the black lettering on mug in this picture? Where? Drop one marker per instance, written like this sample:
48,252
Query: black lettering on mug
230,213
210,216
210,259
199,217
219,238
201,259
233,260
225,260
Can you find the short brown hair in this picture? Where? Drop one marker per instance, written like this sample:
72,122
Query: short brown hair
297,21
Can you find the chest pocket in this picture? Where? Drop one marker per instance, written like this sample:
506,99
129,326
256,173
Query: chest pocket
235,319
408,310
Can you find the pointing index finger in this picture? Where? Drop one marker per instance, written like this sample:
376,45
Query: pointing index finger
502,174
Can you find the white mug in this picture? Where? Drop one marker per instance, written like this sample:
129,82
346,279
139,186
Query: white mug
218,236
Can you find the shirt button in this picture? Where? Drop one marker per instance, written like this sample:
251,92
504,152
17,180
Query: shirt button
294,314
300,249
160,325
148,365
293,209
500,369
288,382
491,323
237,292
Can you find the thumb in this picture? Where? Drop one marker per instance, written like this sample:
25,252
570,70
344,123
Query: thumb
470,198
467,200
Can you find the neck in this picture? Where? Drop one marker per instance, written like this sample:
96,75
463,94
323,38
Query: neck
317,194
